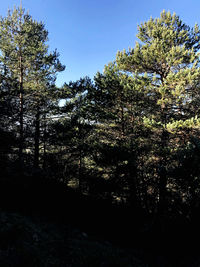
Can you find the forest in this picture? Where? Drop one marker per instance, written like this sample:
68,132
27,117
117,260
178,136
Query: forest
116,155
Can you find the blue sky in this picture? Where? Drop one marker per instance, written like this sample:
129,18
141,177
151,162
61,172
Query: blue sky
88,33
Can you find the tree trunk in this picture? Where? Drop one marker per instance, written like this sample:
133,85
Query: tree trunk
21,113
162,168
132,176
162,189
80,170
44,143
37,138
162,172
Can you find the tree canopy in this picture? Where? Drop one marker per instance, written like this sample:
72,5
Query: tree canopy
129,136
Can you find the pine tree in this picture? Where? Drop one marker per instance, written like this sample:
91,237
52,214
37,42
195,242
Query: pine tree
167,60
115,111
43,92
24,52
73,128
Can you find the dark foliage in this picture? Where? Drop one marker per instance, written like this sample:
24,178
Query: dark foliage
119,159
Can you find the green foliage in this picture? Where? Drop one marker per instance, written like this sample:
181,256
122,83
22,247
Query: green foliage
21,36
128,135
167,60
28,74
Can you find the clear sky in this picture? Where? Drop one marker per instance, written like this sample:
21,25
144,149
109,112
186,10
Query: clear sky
88,33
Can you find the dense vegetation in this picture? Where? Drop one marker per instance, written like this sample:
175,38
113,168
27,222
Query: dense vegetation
127,142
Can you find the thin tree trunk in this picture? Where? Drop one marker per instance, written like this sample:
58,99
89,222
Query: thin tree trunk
37,138
163,169
122,122
44,143
80,174
132,177
21,112
162,189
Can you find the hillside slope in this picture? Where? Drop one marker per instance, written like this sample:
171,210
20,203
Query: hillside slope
33,242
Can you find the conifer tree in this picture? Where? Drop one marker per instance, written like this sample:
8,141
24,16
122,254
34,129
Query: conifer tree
115,108
43,92
167,60
73,128
24,52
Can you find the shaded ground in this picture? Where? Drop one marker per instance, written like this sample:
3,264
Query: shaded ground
35,242
30,242
44,224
